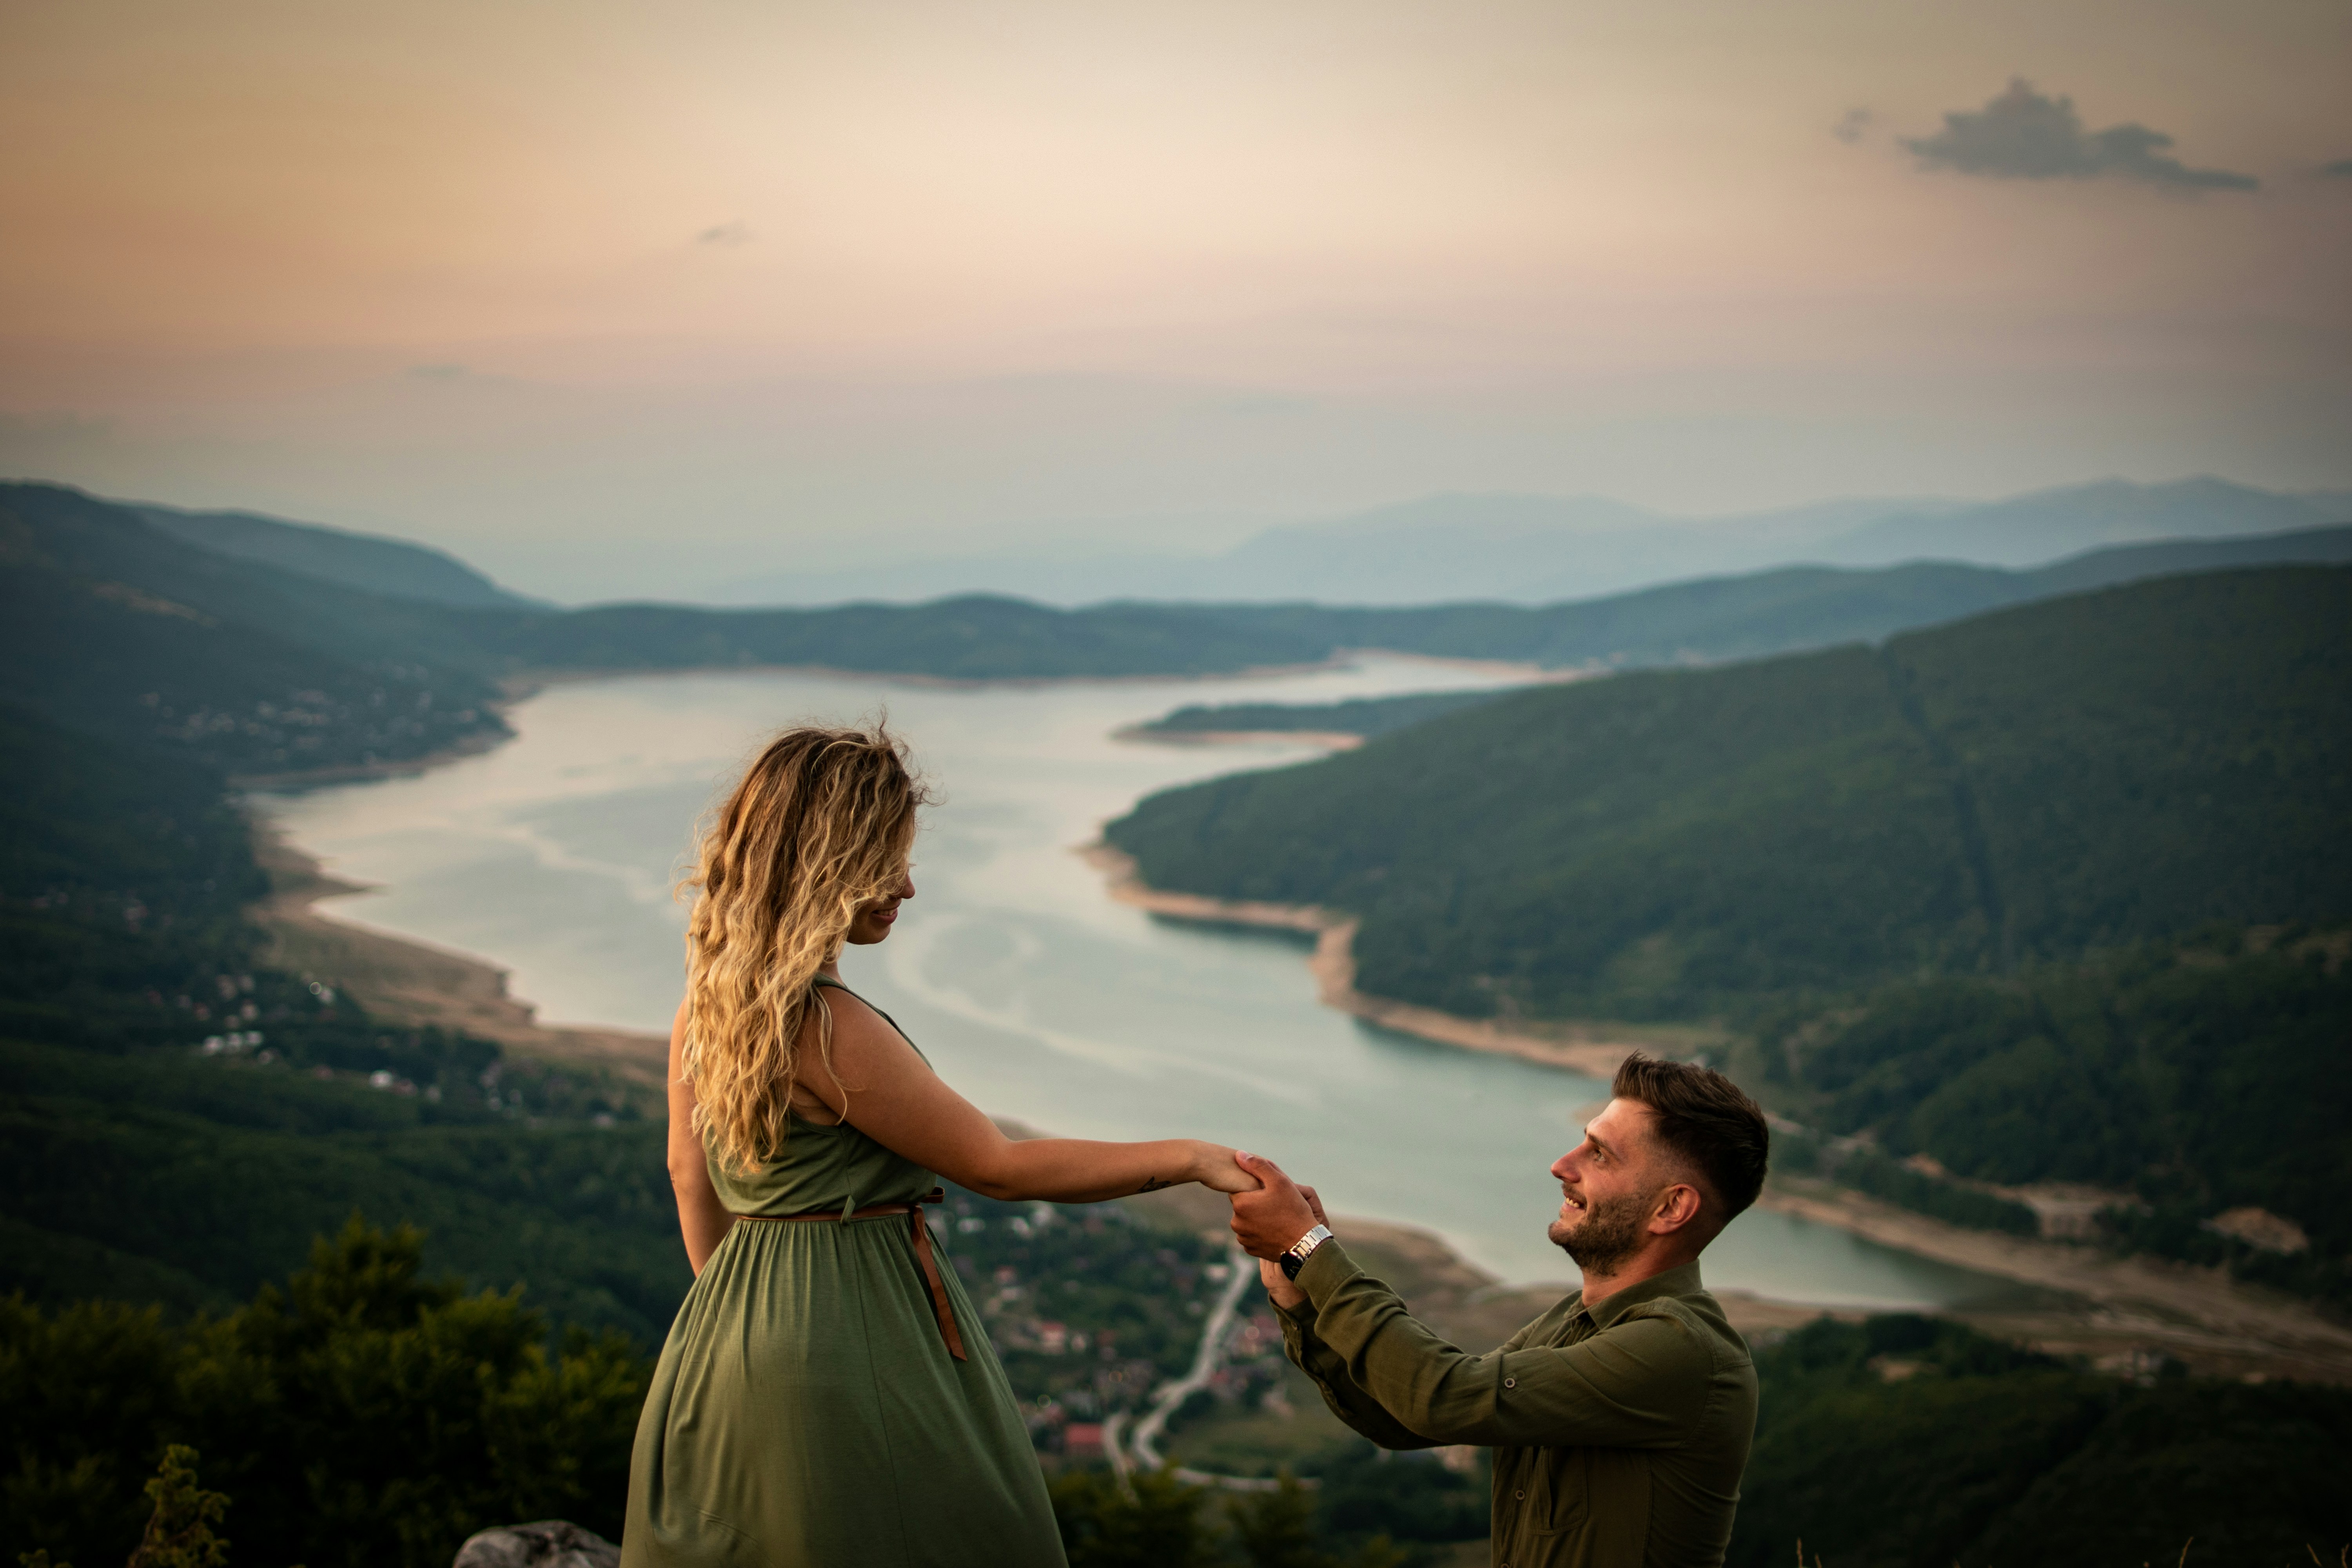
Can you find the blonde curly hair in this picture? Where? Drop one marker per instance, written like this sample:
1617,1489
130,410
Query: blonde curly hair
822,822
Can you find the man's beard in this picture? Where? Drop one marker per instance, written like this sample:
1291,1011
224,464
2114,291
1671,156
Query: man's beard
1610,1233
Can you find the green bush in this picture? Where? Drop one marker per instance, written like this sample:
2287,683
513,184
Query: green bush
1907,1442
357,1415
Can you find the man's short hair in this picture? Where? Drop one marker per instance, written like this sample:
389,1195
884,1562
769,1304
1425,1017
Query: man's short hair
1704,1120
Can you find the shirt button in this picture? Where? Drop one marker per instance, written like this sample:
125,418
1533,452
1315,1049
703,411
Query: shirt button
1510,1383
1519,1496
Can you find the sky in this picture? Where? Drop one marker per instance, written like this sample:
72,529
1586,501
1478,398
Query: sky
614,297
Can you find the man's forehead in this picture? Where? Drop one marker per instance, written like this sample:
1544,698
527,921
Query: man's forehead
1623,1123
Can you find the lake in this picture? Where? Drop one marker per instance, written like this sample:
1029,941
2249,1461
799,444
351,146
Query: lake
1033,992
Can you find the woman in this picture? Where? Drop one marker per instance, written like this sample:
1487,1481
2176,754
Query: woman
827,1394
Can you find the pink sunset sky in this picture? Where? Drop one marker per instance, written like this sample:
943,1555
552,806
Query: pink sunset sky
589,291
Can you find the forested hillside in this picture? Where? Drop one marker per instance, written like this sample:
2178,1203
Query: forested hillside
2056,894
2036,783
1902,1442
2202,1078
181,1120
1356,716
111,627
394,568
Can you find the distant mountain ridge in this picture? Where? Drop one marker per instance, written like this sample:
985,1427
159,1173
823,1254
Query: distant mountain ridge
373,563
1529,549
2019,532
1715,619
113,626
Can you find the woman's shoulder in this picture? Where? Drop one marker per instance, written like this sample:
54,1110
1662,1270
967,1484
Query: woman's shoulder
863,1048
852,1012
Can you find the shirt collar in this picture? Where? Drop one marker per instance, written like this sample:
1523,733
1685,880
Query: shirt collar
1681,1280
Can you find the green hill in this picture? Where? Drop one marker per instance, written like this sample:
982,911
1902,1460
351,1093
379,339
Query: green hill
2195,1078
2031,894
2040,782
1357,716
394,568
973,639
113,629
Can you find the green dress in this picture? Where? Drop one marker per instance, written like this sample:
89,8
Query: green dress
806,1409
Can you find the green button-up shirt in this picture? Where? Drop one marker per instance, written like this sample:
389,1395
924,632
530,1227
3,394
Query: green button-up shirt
1619,1431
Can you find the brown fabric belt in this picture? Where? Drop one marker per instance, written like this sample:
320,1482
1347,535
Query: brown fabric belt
919,1233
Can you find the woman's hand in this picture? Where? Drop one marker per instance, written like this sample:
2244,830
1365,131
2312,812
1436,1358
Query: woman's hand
1215,1168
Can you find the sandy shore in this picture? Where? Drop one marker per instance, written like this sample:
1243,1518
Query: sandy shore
416,985
1592,1049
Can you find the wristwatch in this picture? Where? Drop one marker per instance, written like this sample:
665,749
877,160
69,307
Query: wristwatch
1293,1258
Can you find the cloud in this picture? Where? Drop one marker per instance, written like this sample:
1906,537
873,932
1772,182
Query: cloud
439,371
725,234
1853,126
2021,135
2341,168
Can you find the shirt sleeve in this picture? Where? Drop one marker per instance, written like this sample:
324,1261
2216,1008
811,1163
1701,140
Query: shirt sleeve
1329,1373
1642,1382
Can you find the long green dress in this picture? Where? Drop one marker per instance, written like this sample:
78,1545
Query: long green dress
806,1409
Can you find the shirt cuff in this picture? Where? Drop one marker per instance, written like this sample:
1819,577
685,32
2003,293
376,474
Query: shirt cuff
1326,1269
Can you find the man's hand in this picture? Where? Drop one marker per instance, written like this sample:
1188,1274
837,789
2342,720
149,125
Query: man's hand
1275,1213
1267,1221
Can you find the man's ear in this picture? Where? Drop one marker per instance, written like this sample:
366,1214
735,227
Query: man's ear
1678,1207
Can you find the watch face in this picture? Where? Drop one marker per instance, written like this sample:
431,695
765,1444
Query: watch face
1291,1264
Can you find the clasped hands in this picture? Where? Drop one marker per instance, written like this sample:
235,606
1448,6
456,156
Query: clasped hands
1271,1217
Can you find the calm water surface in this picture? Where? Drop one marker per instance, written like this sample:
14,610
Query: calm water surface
1036,995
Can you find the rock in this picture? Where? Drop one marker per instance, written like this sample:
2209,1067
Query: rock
550,1543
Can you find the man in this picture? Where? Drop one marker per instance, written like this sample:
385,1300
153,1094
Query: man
1621,1418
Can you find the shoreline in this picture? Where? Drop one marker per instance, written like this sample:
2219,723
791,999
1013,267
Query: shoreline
474,746
420,986
2111,1304
1591,1049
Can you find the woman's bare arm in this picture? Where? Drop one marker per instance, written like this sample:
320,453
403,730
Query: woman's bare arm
702,1219
894,1098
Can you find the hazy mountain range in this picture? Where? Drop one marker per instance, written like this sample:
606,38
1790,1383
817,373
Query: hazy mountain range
1523,549
112,624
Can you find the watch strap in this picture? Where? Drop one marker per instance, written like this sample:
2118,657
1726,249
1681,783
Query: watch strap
1293,1256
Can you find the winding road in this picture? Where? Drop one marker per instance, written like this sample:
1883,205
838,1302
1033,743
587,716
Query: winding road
1140,1448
